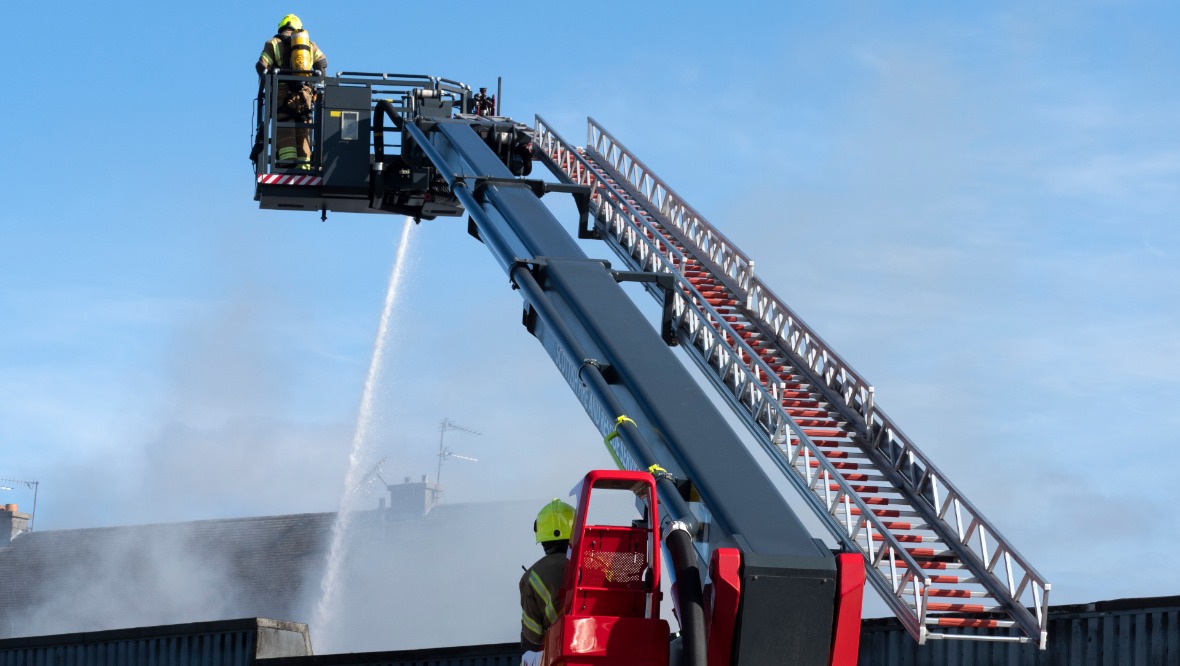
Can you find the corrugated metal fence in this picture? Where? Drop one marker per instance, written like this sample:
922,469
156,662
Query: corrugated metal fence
222,643
499,654
1127,632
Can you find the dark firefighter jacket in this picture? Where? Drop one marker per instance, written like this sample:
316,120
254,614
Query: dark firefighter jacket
275,54
539,600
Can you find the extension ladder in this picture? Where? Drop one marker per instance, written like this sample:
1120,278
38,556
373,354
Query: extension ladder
943,568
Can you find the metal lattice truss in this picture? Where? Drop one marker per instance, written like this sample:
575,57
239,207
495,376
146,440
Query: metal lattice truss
874,490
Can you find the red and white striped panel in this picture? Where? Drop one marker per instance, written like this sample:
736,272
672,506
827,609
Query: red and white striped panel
288,179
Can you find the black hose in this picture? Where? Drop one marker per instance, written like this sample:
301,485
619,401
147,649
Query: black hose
690,598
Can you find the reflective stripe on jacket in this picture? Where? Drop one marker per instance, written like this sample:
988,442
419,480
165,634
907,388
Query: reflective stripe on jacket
539,600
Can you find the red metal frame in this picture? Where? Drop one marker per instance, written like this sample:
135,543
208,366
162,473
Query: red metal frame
610,607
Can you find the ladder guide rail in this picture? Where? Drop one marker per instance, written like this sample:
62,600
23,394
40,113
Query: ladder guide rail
920,468
736,265
806,343
759,391
722,349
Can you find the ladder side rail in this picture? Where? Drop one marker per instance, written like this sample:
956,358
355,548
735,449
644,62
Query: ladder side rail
838,374
710,254
809,346
814,354
923,482
733,270
968,534
882,559
548,142
619,215
751,389
760,406
857,393
847,389
737,266
712,354
859,396
669,260
848,392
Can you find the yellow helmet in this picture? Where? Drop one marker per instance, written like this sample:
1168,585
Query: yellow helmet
291,21
555,522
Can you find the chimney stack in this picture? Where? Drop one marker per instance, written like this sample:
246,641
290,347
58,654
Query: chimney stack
412,500
12,522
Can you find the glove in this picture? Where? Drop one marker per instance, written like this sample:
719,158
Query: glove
530,658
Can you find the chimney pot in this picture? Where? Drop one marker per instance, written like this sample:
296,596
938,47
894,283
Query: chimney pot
10,507
407,479
423,478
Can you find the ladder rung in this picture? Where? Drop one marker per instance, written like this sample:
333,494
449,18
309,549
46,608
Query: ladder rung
931,564
965,594
930,552
816,423
855,489
840,465
886,513
978,623
906,538
903,526
857,477
937,606
949,580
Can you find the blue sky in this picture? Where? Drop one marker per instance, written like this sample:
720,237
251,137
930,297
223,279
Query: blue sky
974,203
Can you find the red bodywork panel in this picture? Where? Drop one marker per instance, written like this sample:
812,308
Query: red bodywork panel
850,582
724,599
600,640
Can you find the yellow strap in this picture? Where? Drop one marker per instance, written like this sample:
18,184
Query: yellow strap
623,418
656,469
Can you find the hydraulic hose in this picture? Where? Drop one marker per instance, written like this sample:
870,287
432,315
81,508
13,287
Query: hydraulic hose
689,596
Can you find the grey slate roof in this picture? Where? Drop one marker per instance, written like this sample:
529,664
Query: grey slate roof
446,579
103,578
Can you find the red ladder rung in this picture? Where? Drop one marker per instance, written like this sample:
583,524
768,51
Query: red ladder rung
855,489
902,538
943,592
881,513
967,622
957,608
841,465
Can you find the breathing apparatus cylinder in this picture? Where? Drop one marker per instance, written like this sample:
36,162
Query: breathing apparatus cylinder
301,52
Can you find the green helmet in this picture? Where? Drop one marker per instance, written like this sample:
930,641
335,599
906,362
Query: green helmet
555,522
291,21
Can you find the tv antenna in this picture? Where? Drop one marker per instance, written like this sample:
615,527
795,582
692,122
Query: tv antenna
444,453
365,485
8,484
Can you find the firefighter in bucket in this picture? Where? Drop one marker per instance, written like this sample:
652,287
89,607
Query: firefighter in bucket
291,51
540,584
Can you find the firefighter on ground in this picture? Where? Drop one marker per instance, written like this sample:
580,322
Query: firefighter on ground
540,584
292,52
